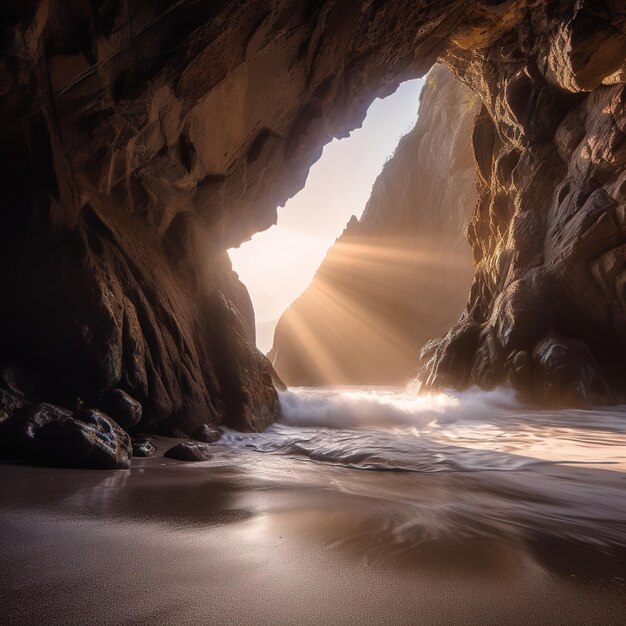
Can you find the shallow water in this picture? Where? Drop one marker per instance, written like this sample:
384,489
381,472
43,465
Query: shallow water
538,475
489,512
401,429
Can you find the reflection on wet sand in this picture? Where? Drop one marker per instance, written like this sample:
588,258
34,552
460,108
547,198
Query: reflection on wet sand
474,529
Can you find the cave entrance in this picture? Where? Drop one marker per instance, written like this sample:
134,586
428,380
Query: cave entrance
358,309
278,264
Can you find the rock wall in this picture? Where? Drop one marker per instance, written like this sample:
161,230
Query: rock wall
401,274
547,305
139,140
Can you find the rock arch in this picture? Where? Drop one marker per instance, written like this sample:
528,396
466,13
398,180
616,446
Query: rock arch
117,117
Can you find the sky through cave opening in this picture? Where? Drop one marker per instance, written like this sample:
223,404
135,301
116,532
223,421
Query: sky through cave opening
277,264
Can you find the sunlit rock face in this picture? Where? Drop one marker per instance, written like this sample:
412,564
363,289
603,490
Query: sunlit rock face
548,302
140,140
401,274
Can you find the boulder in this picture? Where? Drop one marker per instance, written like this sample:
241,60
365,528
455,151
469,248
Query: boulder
91,439
10,401
207,433
143,446
122,407
46,434
189,451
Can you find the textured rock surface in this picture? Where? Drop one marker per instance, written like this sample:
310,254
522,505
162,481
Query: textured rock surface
50,435
143,446
140,140
565,371
401,274
140,143
207,434
189,451
120,406
548,233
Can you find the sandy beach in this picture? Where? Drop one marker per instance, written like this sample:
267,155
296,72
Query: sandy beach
251,538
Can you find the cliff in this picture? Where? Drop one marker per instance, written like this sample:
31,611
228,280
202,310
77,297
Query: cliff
139,141
401,274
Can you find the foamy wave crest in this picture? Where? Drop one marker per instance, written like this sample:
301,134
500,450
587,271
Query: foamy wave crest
354,407
403,429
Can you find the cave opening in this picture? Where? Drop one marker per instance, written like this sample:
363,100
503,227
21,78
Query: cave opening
371,259
277,264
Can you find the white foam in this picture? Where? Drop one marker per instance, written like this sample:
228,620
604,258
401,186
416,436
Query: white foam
354,407
403,429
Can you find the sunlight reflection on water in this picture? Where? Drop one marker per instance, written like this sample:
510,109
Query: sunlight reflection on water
386,428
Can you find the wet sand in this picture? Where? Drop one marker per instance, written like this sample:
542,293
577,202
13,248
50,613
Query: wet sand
251,538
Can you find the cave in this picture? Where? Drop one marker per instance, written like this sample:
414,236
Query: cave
157,468
399,275
139,144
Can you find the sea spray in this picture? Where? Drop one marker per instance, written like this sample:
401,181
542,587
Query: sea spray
387,407
404,430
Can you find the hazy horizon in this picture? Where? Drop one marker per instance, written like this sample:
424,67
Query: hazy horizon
276,265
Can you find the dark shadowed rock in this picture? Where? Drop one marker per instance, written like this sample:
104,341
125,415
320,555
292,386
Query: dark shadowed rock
207,433
143,446
124,409
189,451
138,146
565,373
10,402
19,381
90,439
23,424
49,435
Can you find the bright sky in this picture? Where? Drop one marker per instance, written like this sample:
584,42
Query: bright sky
278,264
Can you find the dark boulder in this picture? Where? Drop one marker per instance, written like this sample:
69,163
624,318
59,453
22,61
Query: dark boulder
207,433
122,407
189,451
143,446
50,435
23,423
91,439
10,402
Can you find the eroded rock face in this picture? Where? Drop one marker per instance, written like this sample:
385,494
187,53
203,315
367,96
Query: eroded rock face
139,145
548,234
401,274
139,142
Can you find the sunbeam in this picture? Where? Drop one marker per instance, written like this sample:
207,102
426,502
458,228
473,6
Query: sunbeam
276,265
365,289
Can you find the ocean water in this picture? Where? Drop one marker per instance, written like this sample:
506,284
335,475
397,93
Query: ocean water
360,506
402,429
454,465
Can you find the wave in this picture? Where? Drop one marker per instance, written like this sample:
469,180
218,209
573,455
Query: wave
354,407
403,429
